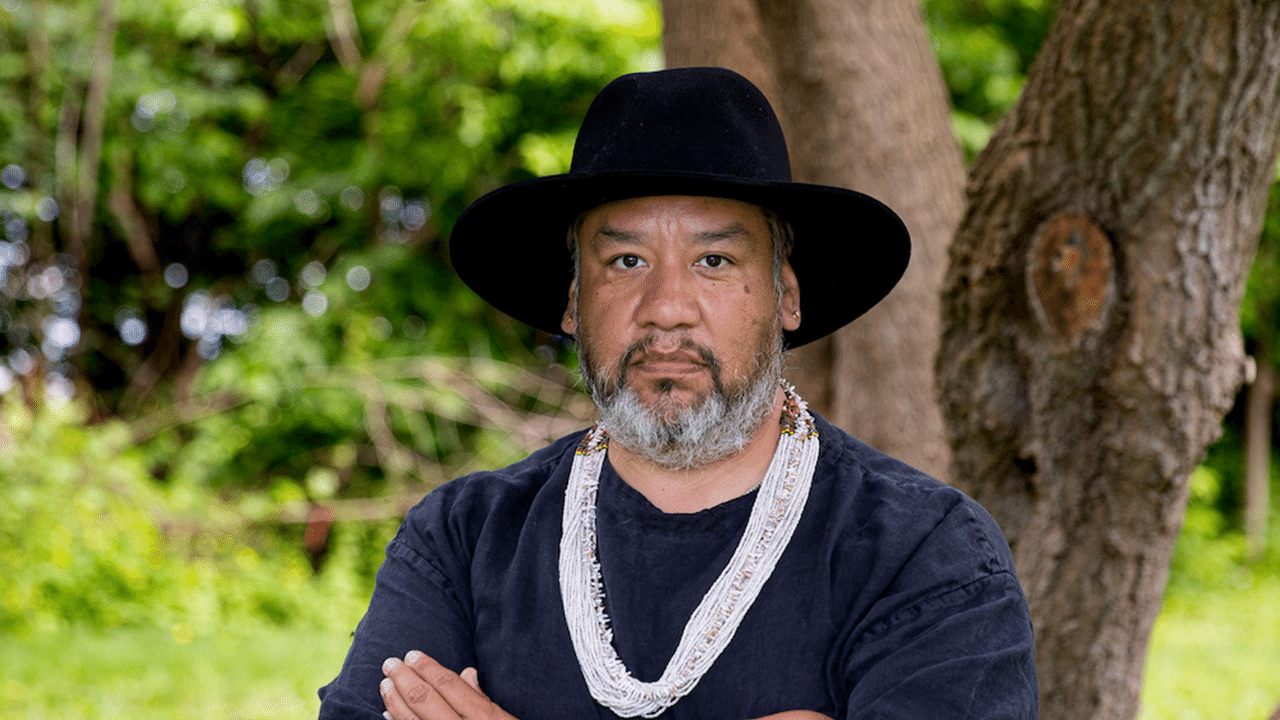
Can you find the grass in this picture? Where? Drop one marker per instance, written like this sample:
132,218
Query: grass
1215,655
251,673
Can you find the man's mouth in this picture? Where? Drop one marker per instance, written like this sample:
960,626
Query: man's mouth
679,362
688,359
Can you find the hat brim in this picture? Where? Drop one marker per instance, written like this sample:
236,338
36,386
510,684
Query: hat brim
510,246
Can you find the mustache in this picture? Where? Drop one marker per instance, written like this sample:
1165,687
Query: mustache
642,350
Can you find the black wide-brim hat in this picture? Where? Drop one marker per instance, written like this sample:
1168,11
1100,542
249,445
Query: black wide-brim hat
688,131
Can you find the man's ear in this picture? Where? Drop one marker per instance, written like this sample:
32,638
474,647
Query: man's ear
567,323
790,298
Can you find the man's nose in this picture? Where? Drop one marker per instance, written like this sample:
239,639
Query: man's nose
670,298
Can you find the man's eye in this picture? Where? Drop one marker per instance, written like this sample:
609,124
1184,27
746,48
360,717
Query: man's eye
714,261
627,261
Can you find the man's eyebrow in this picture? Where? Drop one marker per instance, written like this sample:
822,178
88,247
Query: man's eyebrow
616,235
732,231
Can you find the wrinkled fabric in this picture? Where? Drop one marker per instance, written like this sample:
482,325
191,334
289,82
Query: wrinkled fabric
895,599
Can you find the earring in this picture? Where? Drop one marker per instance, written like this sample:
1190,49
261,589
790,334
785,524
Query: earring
796,314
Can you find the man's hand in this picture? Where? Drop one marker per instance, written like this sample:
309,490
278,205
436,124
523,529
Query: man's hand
419,688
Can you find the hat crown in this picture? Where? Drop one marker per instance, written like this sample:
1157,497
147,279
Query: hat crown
707,121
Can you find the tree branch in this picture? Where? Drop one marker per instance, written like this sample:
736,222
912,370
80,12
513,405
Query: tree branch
340,25
184,413
161,358
375,71
298,65
38,151
125,211
64,157
95,115
395,458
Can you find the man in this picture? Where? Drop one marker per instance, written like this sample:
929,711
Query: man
709,549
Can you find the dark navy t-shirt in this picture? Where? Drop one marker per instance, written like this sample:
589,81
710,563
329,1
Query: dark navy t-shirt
896,597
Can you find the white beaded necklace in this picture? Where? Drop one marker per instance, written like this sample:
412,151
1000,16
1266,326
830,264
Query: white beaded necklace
774,517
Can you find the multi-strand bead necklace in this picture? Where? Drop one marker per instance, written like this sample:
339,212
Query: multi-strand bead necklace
774,516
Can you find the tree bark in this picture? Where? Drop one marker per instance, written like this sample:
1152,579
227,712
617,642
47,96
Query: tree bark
1091,342
861,98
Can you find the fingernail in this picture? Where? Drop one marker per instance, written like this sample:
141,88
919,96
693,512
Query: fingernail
385,686
387,715
412,657
390,664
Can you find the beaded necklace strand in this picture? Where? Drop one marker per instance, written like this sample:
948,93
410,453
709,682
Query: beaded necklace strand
774,516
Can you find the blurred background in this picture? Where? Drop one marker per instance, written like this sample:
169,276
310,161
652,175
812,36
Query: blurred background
232,352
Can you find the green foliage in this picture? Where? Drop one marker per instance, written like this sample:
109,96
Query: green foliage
87,539
303,172
1211,552
343,397
263,317
1259,321
306,409
75,538
299,180
1260,312
985,48
244,143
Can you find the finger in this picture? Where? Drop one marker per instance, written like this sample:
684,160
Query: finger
464,699
396,707
471,676
409,697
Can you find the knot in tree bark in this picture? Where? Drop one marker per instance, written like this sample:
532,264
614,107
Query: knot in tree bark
1070,275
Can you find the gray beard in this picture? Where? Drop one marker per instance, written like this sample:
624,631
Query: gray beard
686,437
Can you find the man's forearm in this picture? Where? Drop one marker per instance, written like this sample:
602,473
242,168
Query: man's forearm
419,688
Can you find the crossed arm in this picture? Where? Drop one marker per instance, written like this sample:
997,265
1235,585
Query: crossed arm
419,688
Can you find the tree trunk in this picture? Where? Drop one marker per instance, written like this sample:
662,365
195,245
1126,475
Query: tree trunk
1091,342
859,93
1259,404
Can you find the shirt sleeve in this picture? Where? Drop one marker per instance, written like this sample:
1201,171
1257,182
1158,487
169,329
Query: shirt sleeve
951,637
416,604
